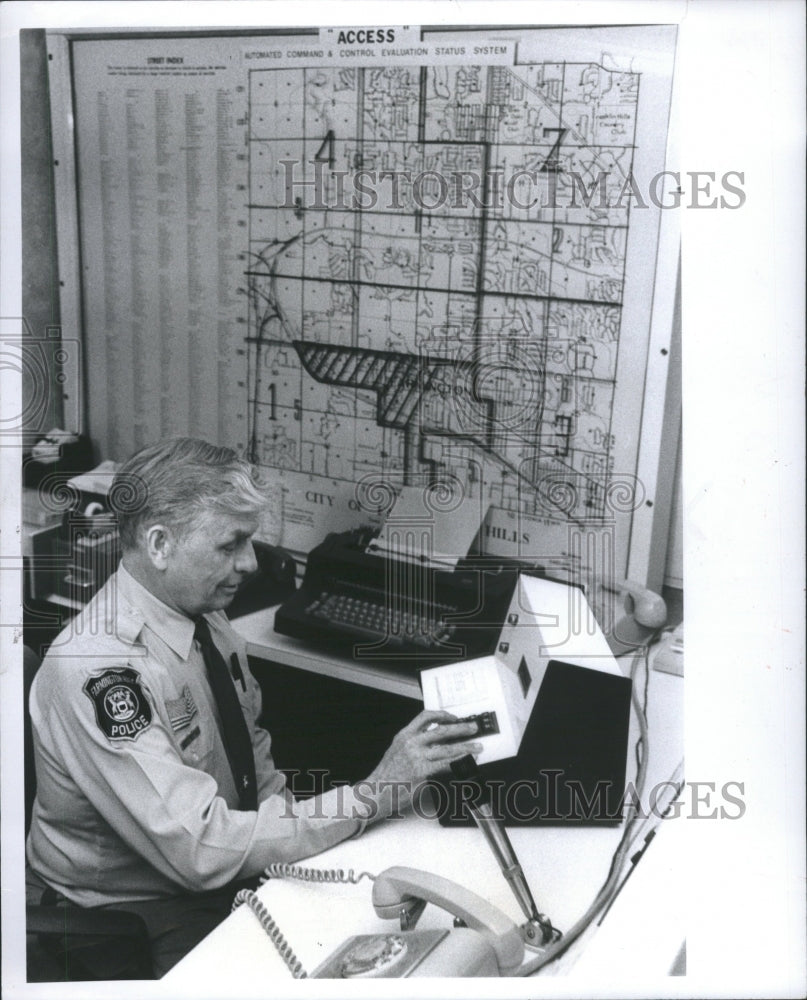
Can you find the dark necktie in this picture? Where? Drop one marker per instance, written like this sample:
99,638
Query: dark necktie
234,730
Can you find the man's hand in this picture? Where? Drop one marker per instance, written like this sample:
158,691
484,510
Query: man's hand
420,750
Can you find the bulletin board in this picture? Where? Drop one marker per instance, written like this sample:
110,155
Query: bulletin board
403,256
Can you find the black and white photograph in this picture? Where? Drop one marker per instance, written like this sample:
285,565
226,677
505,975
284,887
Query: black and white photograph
395,398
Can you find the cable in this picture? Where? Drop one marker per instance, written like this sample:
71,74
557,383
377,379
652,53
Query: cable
640,741
637,856
265,918
676,783
629,834
266,921
675,779
314,874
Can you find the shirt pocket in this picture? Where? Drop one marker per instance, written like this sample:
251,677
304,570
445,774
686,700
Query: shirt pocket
195,742
192,726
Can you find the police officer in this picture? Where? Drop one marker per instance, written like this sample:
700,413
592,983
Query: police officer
156,788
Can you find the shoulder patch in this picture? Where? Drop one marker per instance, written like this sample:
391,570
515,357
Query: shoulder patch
122,710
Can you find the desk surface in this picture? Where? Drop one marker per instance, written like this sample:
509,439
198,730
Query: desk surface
258,630
565,867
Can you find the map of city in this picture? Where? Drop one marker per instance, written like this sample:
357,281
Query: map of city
435,276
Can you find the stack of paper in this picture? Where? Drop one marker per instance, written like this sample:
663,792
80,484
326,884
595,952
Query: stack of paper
423,514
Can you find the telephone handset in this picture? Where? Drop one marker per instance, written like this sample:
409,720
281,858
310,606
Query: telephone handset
644,613
488,943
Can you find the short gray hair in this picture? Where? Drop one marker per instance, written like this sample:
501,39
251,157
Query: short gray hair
177,481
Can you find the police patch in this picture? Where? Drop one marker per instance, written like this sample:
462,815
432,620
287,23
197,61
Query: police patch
122,711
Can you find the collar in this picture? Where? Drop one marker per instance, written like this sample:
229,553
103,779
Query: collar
175,629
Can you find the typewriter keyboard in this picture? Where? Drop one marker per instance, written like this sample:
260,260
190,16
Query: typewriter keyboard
406,625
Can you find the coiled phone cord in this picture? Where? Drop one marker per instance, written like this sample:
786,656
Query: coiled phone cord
314,874
284,949
265,918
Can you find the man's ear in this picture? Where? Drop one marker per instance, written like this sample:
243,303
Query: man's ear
159,545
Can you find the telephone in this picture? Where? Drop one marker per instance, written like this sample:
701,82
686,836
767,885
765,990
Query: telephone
483,942
489,943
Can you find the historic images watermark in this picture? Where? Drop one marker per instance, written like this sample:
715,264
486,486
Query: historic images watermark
40,374
549,797
521,191
36,370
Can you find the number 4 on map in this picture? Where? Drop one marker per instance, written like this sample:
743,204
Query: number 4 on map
326,150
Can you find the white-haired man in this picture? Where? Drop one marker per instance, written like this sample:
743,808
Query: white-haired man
156,788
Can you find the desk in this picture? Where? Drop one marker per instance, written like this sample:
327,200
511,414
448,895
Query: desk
565,867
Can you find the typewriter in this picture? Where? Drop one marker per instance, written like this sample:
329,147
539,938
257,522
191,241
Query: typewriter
368,604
